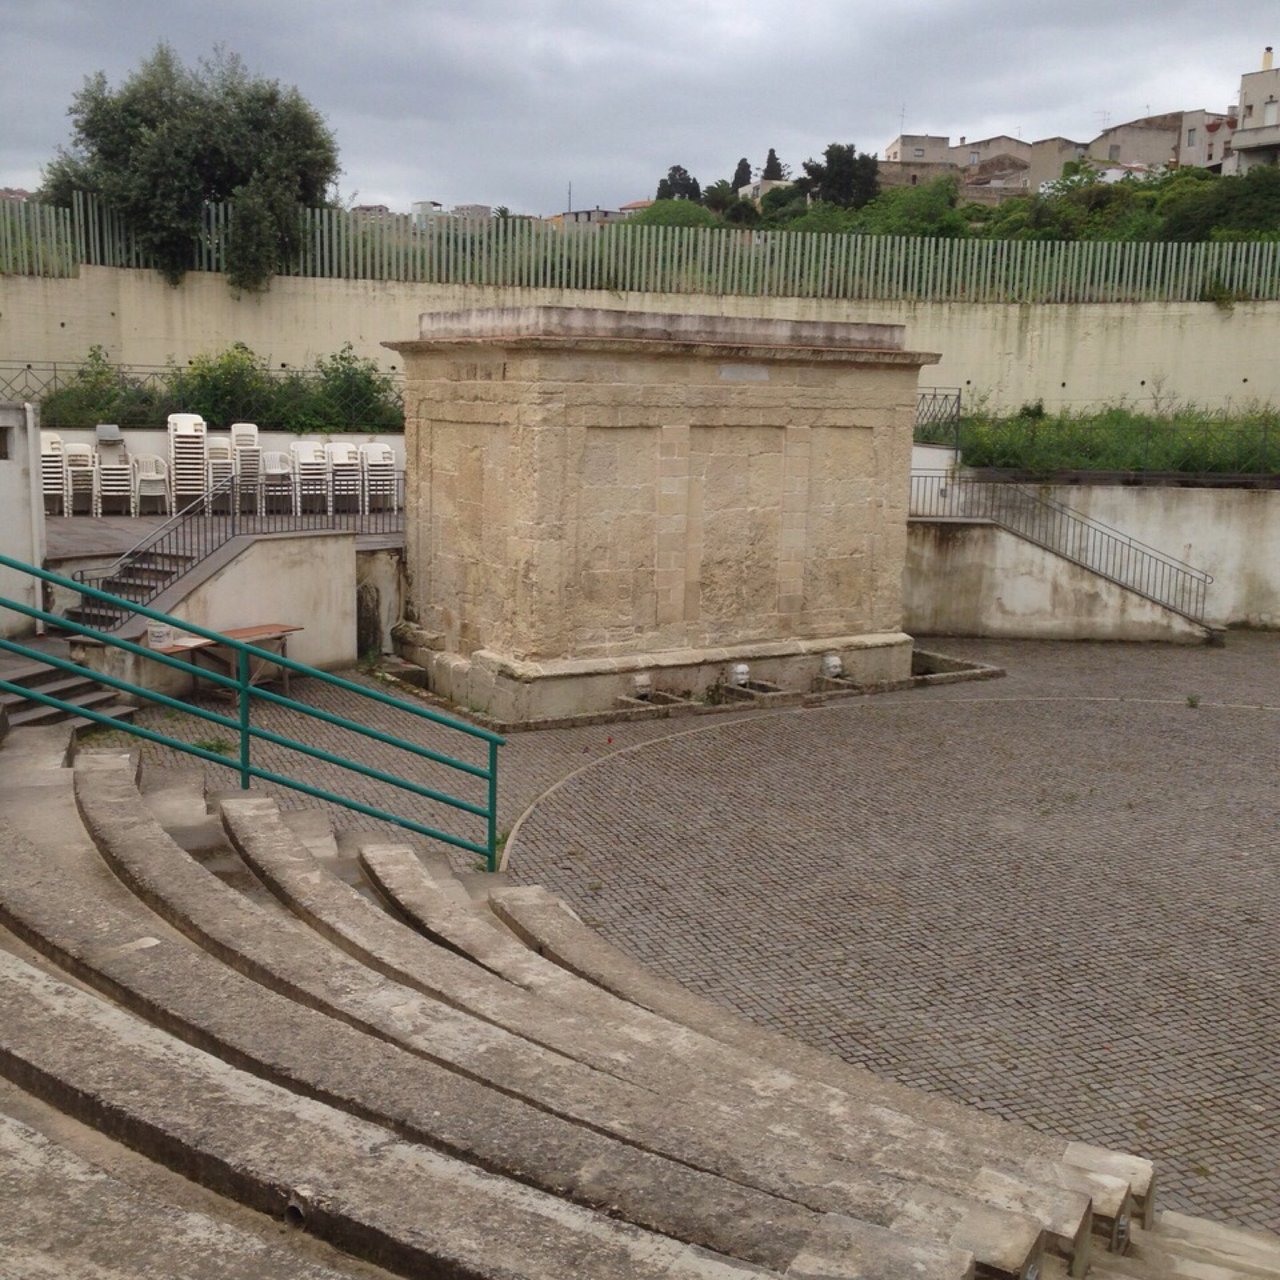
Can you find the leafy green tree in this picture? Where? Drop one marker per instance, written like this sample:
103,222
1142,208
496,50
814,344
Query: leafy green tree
781,206
741,175
742,213
843,176
678,185
926,210
719,196
774,170
674,213
171,138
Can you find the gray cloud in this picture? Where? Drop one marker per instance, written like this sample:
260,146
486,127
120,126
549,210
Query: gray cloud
508,101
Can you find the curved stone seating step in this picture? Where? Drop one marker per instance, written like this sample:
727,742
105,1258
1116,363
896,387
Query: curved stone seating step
348,1181
62,899
655,1054
291,959
551,929
115,1231
437,906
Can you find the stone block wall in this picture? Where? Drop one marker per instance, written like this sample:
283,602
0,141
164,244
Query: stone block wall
603,495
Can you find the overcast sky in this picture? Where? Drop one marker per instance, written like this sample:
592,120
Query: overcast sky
510,101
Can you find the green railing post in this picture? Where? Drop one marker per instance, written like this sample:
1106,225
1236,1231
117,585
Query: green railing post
492,840
242,675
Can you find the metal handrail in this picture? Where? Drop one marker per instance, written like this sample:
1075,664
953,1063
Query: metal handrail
247,732
197,531
1096,546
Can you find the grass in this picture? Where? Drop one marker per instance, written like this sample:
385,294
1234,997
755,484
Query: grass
1182,438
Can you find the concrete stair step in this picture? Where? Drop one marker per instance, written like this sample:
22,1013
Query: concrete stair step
346,1180
82,695
117,1232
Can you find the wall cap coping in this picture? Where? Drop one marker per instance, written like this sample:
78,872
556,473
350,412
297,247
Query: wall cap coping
601,329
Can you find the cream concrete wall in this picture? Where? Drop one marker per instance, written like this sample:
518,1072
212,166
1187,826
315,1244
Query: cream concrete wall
980,580
21,514
1077,355
309,581
1234,534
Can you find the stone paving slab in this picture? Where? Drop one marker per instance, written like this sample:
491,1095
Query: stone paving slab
1053,896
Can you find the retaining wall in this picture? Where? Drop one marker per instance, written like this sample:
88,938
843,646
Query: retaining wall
1064,354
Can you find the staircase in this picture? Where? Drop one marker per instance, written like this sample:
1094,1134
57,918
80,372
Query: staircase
1107,552
80,691
140,576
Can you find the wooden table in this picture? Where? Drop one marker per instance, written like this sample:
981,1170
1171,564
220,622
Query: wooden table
224,659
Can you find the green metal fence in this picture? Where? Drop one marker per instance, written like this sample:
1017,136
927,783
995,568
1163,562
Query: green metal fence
530,253
247,733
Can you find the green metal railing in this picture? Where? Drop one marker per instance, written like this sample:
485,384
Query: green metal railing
241,724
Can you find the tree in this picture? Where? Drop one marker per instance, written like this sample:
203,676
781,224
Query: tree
774,170
678,185
741,175
926,210
171,138
719,196
843,176
674,213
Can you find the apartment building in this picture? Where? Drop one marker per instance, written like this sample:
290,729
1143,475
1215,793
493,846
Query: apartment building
1256,139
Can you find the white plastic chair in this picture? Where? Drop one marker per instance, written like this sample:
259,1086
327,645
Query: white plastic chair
345,475
276,478
378,466
151,480
312,478
53,471
247,454
220,466
188,456
79,475
112,475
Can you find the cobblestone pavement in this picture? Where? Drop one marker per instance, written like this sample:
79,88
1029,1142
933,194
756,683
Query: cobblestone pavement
1053,896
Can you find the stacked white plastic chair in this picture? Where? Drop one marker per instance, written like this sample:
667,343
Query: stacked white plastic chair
79,476
220,468
53,471
151,480
312,485
188,457
248,461
346,481
378,467
112,473
276,481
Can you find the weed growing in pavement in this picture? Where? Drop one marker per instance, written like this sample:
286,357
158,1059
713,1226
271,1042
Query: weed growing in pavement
1193,700
219,746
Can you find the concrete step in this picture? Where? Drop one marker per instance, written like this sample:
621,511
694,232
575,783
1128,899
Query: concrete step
116,1232
80,694
346,1180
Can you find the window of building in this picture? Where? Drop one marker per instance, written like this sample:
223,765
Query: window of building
973,157
1248,110
5,433
1271,112
1113,151
1191,137
918,153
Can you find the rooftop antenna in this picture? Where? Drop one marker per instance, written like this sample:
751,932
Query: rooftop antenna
902,119
569,206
